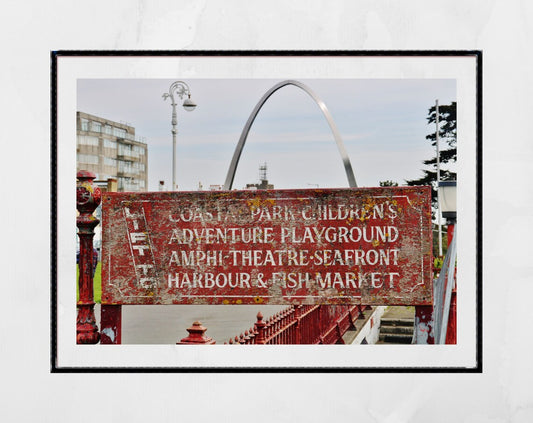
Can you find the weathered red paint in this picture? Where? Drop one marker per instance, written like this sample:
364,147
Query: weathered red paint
110,324
335,246
196,336
451,333
88,197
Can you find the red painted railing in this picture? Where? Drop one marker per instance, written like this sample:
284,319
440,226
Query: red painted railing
303,324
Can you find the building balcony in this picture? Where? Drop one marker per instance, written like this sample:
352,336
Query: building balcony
128,173
128,156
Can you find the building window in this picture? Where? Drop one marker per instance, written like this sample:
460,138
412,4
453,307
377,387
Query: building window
134,151
138,150
108,129
108,161
127,150
126,167
88,158
96,126
124,150
110,143
128,184
84,124
87,140
119,132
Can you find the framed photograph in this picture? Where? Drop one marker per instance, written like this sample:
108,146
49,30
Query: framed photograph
310,178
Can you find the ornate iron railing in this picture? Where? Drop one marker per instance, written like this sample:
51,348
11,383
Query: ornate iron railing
303,324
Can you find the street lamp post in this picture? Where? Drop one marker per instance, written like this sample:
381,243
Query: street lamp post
438,175
181,89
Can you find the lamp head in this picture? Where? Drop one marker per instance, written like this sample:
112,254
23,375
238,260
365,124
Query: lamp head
189,105
448,196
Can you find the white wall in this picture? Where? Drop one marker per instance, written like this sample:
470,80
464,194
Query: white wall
370,330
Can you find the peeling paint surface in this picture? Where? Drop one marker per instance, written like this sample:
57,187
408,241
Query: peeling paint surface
331,246
109,333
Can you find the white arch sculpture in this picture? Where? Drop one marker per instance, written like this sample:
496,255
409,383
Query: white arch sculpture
244,135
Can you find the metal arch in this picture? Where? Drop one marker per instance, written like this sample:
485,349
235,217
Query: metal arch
244,135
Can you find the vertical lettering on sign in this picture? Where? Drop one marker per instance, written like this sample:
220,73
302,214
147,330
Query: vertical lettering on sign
140,244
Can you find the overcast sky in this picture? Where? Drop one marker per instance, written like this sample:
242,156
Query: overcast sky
382,123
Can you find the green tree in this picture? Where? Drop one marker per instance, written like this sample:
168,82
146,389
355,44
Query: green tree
388,183
447,155
447,148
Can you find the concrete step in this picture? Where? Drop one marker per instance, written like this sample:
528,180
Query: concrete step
396,322
385,338
396,329
397,325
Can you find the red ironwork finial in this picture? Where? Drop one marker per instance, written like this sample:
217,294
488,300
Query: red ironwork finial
259,329
196,336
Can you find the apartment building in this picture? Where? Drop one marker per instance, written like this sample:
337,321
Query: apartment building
111,150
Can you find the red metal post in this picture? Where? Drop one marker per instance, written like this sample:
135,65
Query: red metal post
424,322
451,332
259,328
196,336
297,326
449,233
88,197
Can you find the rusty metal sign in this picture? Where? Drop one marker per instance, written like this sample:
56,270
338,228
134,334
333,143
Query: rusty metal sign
332,246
